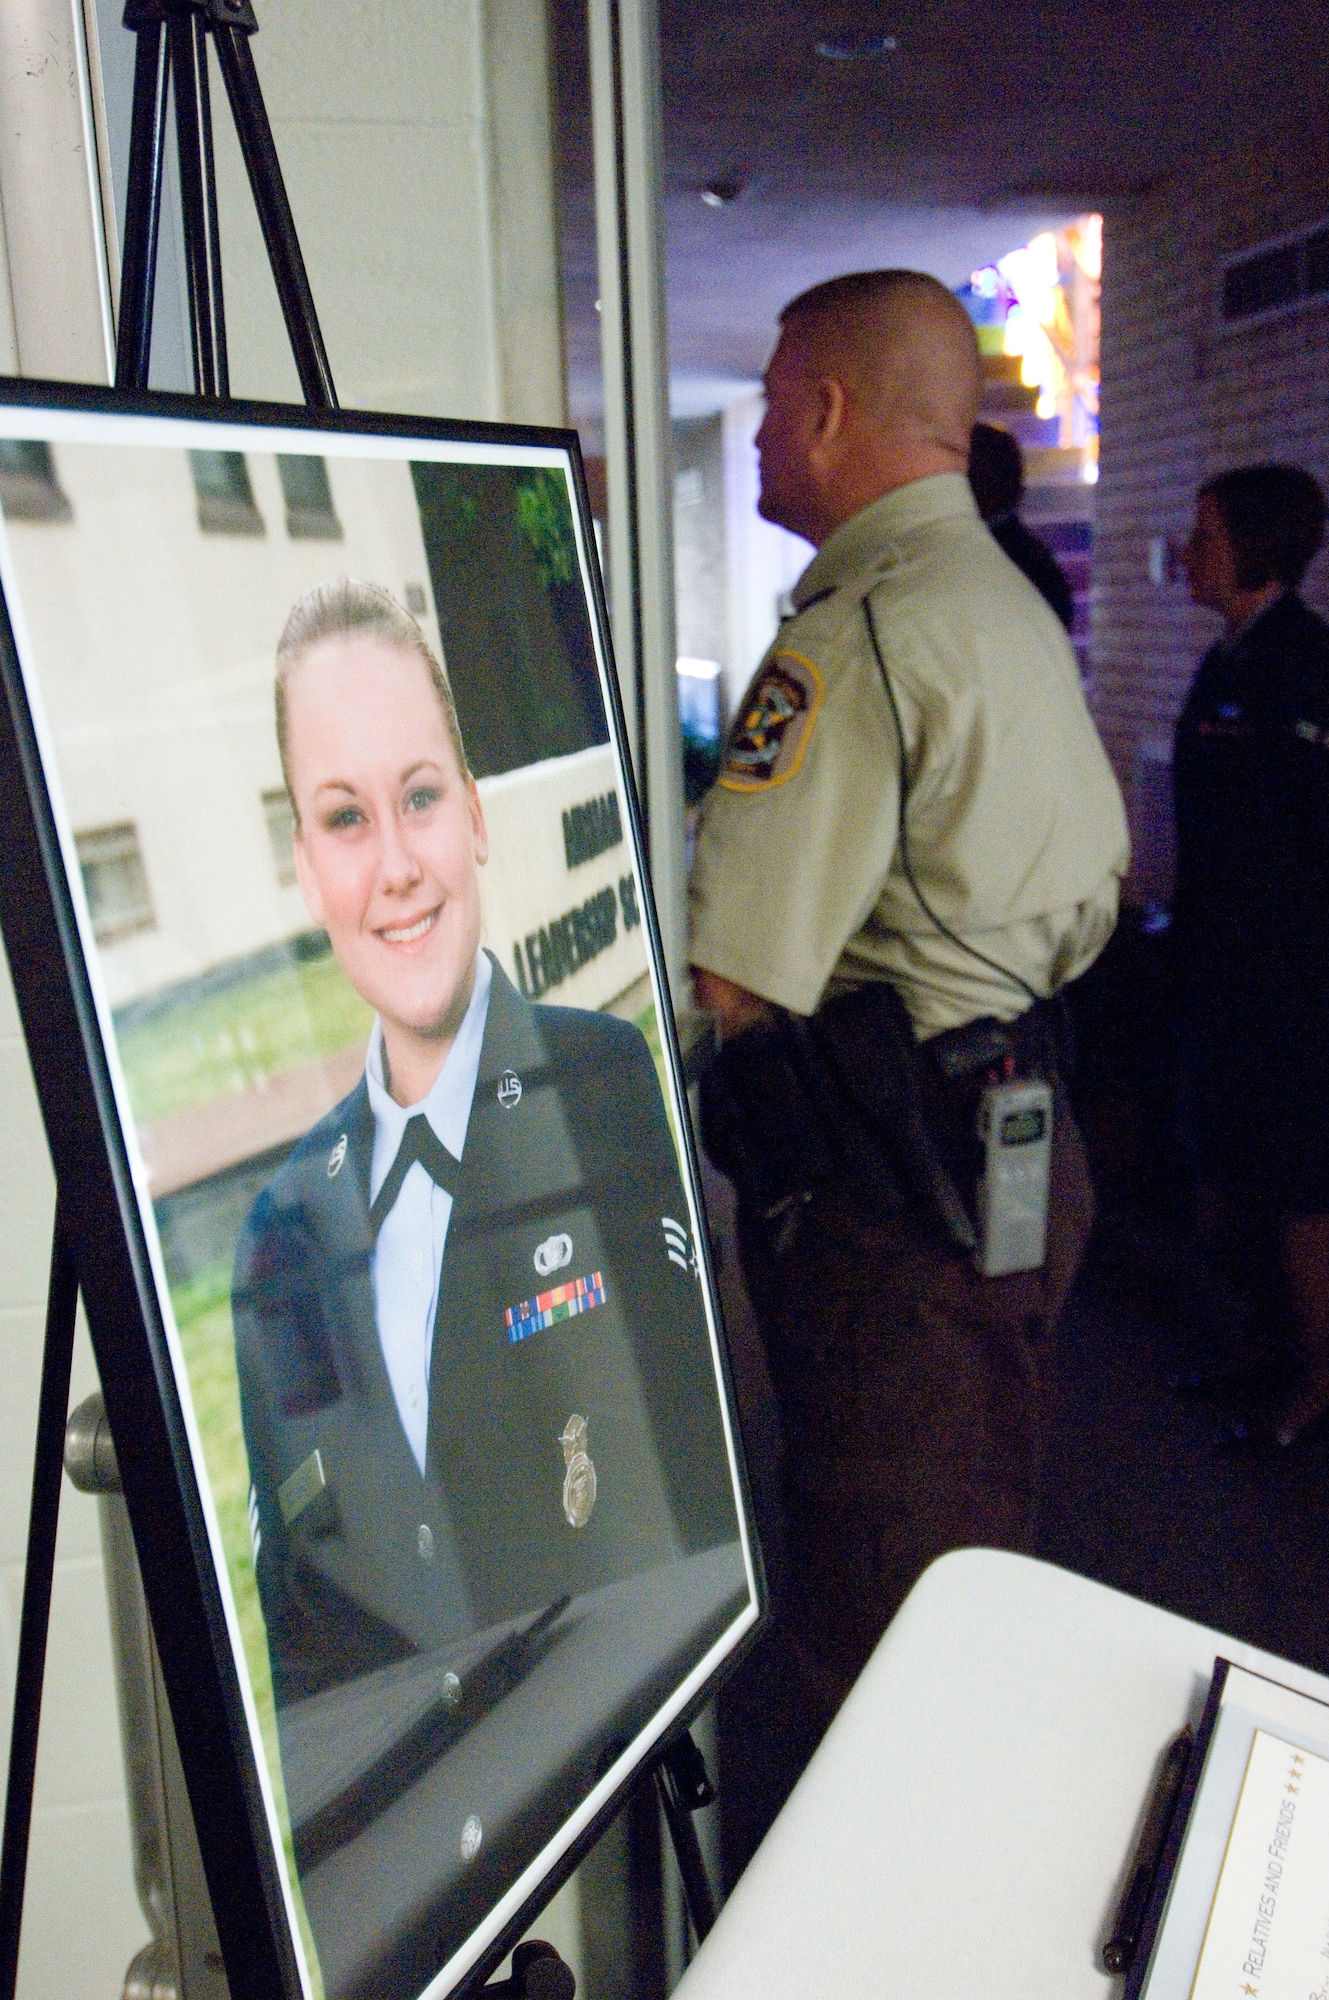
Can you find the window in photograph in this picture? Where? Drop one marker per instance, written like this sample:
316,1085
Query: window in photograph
281,832
115,881
226,503
310,514
29,489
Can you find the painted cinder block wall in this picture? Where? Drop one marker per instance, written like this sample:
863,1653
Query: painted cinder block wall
1184,397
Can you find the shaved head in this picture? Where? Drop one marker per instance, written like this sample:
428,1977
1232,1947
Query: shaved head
874,383
904,347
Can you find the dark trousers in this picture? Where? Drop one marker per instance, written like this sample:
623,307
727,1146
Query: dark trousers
911,1394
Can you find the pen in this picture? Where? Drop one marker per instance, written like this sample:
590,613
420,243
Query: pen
1124,1938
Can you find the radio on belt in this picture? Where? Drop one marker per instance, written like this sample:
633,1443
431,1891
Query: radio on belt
1015,1130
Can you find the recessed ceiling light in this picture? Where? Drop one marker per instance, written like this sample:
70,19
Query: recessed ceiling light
854,48
719,193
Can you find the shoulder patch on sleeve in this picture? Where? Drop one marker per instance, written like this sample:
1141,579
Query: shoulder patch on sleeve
767,742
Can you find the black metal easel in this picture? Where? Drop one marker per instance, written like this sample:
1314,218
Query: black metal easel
48,1458
173,51
685,1786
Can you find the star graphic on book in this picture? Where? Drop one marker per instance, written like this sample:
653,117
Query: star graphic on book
1291,1788
1297,1757
1250,1989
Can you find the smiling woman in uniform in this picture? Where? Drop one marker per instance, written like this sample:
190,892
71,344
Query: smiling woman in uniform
475,1370
390,834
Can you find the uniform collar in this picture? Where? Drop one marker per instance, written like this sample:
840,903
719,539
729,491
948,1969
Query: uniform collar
857,543
1232,640
448,1105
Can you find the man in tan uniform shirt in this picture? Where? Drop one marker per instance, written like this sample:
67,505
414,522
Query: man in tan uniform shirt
910,1387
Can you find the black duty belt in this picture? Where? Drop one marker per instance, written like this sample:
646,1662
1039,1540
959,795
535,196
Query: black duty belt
796,1102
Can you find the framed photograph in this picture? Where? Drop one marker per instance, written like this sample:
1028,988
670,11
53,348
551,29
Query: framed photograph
326,909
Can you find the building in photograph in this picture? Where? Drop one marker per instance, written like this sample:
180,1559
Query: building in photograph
154,586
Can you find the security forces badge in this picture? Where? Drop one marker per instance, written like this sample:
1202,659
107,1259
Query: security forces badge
579,1481
767,741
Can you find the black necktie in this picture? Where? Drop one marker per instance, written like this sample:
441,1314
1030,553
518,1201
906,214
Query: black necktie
418,1143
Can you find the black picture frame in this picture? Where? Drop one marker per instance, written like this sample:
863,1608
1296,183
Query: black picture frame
104,1197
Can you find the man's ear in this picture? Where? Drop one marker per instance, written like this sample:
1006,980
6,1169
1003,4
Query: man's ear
830,423
832,409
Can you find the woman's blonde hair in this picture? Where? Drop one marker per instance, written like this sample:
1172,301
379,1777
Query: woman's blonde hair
344,609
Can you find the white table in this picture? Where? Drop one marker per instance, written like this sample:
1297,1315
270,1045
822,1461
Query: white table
963,1830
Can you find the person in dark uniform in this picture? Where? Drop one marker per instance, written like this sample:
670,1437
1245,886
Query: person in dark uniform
475,1371
1251,906
996,474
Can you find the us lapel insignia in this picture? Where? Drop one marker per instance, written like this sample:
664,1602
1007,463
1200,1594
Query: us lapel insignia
579,1482
337,1158
509,1090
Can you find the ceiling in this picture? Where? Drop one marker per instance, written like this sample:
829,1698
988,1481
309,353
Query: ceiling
989,120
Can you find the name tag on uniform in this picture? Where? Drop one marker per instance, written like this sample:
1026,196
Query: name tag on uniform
302,1488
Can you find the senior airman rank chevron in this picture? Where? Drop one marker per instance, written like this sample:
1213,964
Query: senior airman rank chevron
678,1242
578,1295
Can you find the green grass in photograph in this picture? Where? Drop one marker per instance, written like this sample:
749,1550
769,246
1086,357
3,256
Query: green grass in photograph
203,1315
235,1039
648,1024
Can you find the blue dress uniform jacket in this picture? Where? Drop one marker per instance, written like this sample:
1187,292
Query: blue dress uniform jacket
361,1560
1251,778
1251,910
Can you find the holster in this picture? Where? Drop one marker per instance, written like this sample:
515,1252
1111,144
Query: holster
869,1039
794,1103
769,1113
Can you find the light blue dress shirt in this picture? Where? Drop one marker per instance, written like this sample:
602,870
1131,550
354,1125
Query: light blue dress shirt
408,1257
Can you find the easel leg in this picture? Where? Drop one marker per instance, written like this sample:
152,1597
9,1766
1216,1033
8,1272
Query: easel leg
684,1787
538,1973
48,1460
147,143
188,43
274,214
